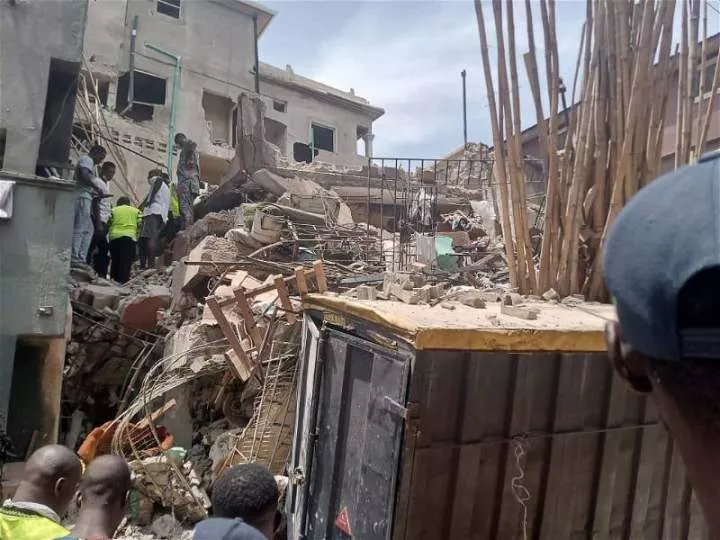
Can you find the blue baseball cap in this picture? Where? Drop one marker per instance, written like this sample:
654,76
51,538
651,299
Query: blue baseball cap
666,234
226,529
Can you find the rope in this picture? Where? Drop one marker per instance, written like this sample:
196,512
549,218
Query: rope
519,491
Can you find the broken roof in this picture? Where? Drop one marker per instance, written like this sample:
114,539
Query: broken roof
293,81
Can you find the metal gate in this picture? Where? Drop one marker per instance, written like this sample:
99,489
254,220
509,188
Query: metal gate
350,453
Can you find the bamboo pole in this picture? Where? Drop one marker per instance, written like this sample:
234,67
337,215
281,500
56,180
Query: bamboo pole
701,84
500,170
709,110
682,90
514,166
520,177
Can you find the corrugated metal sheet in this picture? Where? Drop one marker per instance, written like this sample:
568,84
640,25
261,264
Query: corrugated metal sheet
547,446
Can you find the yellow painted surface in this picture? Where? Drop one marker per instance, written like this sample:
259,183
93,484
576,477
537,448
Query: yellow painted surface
557,328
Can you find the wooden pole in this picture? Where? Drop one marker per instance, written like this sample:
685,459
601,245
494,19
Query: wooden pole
500,166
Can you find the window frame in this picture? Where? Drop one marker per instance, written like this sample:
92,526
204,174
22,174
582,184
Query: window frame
314,124
169,4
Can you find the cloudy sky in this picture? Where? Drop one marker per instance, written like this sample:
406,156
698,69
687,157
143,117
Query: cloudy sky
406,56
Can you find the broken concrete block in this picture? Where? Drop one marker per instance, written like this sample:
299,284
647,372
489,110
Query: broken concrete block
141,312
166,526
366,292
448,305
550,294
409,297
512,299
472,301
102,296
519,311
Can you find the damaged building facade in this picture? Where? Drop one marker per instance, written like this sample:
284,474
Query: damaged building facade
37,82
153,64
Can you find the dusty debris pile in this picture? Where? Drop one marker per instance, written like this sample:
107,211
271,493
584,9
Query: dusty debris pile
191,369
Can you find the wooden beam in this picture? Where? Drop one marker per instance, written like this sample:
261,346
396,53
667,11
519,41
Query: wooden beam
155,415
284,298
319,270
300,281
239,362
252,293
247,315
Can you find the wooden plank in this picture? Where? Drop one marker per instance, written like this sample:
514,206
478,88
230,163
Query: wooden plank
677,505
245,310
609,448
651,451
300,281
320,278
252,293
239,362
556,523
239,365
155,415
284,298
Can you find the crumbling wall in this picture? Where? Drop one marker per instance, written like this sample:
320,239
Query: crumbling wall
25,65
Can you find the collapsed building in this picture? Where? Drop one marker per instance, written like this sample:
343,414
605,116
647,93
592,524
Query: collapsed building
193,367
153,68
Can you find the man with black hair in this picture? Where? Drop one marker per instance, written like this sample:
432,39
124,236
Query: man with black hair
662,267
83,223
248,492
98,255
188,178
48,484
103,499
156,208
123,233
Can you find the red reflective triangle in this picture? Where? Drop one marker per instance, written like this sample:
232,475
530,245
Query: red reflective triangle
343,522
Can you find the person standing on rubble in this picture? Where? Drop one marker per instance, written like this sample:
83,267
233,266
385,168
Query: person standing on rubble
123,228
188,179
83,224
103,499
48,484
662,268
98,255
156,208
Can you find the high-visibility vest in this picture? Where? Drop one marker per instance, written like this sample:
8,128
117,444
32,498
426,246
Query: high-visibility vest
124,221
19,524
174,202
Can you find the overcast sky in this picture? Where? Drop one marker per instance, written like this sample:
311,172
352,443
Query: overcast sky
406,56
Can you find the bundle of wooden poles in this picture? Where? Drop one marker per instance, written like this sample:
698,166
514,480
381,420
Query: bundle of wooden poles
608,143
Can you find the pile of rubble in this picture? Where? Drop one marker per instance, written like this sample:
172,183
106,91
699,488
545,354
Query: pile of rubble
189,369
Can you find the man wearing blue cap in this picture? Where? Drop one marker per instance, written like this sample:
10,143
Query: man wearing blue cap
662,267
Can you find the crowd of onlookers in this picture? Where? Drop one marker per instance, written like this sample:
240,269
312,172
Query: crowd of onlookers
245,500
111,238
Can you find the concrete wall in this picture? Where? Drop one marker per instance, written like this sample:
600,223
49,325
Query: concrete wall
35,256
24,68
215,42
302,110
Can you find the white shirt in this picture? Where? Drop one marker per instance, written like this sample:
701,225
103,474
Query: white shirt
85,162
160,204
104,203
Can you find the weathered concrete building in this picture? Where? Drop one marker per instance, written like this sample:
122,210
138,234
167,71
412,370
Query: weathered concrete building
40,54
137,50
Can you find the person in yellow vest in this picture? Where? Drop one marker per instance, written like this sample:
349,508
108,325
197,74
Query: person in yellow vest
49,482
123,228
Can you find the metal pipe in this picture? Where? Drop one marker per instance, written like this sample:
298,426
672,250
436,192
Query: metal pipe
173,102
257,55
131,73
463,74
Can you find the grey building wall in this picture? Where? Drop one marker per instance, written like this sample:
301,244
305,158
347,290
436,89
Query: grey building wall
302,110
31,33
214,40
